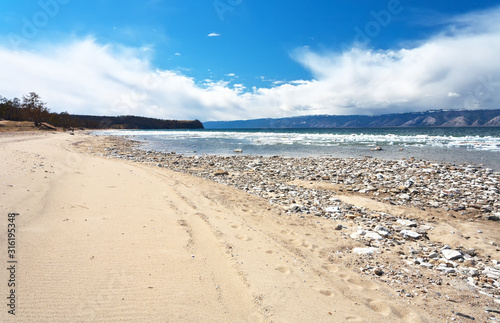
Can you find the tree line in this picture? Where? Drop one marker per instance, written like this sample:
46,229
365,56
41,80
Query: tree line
32,108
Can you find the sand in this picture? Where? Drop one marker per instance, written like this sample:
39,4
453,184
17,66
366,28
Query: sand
110,240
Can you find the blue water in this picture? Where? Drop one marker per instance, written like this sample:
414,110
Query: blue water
453,145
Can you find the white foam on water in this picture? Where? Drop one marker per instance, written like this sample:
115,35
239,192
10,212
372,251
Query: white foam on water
316,139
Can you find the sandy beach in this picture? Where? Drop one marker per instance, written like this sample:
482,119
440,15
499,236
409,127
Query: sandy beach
101,238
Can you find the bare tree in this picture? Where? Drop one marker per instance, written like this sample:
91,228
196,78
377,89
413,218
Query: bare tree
35,107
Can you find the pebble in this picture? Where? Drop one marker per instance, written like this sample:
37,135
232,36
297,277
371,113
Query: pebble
492,309
373,236
495,217
364,251
407,223
450,254
411,234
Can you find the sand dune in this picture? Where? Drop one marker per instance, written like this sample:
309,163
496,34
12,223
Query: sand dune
107,240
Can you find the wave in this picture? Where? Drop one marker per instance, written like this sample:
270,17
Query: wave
288,138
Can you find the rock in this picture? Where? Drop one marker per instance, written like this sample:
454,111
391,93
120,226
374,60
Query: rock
434,203
491,309
378,272
450,254
410,234
383,233
370,235
378,148
238,150
471,252
469,263
494,217
407,223
473,272
357,234
365,251
446,270
491,273
332,209
338,227
421,230
464,315
381,228
295,208
426,265
221,173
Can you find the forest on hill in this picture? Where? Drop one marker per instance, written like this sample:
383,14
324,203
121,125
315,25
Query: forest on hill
32,108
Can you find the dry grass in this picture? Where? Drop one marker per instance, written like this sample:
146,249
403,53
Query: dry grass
15,126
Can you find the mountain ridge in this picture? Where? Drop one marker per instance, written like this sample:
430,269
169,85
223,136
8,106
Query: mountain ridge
431,118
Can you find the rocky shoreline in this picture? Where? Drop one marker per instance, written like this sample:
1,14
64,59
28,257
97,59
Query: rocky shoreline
428,191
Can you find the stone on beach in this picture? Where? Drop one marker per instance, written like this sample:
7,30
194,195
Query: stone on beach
407,223
494,217
365,251
373,235
451,254
410,233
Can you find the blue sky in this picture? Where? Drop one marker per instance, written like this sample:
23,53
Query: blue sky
241,59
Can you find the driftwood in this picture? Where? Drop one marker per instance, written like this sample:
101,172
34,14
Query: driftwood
46,126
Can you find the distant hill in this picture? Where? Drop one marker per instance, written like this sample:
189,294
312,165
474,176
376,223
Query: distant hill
133,122
434,118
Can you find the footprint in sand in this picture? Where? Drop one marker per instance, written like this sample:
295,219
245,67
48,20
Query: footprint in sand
360,283
235,226
300,243
288,232
244,238
380,307
284,270
305,244
393,311
269,251
331,268
326,293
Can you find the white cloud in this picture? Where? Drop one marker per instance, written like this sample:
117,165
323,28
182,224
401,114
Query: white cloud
458,68
213,35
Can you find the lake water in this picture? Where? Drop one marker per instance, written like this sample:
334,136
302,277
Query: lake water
452,145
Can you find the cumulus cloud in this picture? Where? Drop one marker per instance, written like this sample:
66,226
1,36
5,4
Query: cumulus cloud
456,68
